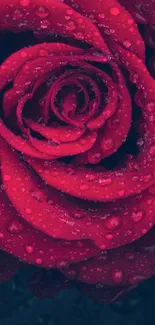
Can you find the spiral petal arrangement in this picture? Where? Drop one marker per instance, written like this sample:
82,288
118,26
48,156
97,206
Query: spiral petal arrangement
77,143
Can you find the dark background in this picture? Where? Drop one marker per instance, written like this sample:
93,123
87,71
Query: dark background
20,307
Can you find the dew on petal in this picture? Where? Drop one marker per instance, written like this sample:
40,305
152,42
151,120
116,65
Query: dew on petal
148,178
105,181
69,12
117,276
127,43
23,54
137,216
25,3
102,15
107,145
109,236
28,211
150,107
15,227
39,261
71,26
83,187
114,11
17,14
29,249
113,222
1,235
121,193
42,12
7,178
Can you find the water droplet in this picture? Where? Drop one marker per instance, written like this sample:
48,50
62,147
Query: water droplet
15,227
148,178
113,222
144,231
37,196
114,11
107,144
39,261
137,216
62,264
1,235
79,215
25,3
121,193
90,177
79,36
29,249
69,12
71,26
45,24
28,211
127,43
105,181
83,187
150,107
42,12
94,158
152,150
23,54
117,275
43,52
130,21
129,256
7,178
17,14
109,236
102,16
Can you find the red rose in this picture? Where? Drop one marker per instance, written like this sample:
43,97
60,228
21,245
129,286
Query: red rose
77,142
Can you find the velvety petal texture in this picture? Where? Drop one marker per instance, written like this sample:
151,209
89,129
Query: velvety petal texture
77,144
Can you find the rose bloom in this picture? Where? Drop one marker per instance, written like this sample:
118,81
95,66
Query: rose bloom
77,143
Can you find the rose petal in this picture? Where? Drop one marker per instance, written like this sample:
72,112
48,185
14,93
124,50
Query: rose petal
65,149
125,266
114,20
20,144
32,246
58,134
11,66
79,28
143,11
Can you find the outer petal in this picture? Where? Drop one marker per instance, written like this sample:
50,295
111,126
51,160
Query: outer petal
113,20
20,239
122,267
31,18
143,11
60,217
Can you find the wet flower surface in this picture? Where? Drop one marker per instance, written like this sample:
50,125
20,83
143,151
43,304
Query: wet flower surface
77,143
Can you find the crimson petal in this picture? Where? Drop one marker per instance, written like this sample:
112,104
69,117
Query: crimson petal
110,16
125,266
79,28
32,246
